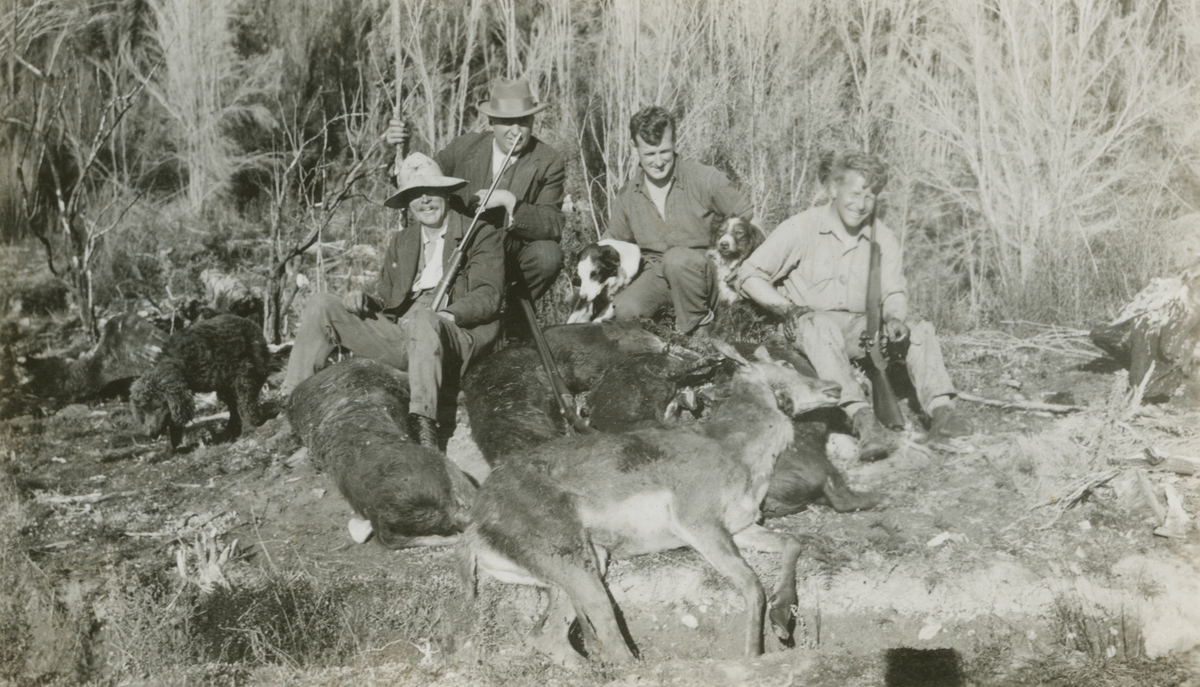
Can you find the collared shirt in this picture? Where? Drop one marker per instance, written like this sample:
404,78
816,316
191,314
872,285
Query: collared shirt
698,193
498,159
815,263
433,246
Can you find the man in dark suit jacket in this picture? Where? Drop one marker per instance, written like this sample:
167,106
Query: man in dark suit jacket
395,322
530,189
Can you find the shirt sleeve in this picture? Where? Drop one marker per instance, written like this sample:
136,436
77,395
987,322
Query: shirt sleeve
891,276
778,255
618,220
542,218
727,199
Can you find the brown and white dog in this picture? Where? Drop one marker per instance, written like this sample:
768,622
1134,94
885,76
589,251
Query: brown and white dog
735,240
601,271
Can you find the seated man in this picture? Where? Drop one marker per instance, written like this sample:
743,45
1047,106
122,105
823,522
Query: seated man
530,188
394,322
668,208
813,268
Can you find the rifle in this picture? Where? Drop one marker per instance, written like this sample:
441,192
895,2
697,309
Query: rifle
887,408
402,150
566,401
456,259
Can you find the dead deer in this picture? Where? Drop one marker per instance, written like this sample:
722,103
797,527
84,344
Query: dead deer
551,517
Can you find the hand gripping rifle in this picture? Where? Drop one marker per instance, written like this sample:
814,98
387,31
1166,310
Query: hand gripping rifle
566,402
460,251
887,408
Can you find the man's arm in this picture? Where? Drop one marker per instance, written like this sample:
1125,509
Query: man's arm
778,255
765,294
484,272
618,221
728,200
891,272
542,218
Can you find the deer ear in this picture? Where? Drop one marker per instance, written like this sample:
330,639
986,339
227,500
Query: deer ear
729,351
762,355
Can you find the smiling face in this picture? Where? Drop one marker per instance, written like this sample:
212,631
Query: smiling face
853,200
430,207
657,160
505,131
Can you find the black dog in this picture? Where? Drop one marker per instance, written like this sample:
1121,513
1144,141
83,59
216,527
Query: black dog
226,354
351,417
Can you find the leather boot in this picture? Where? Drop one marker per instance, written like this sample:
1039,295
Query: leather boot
874,442
423,430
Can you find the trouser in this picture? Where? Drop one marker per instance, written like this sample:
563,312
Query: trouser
831,339
421,342
532,266
682,277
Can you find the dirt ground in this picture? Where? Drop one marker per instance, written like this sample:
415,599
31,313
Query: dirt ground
1020,551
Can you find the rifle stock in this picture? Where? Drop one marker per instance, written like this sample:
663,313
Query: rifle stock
883,398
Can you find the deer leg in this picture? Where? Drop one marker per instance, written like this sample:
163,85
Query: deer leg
550,633
593,606
783,597
714,542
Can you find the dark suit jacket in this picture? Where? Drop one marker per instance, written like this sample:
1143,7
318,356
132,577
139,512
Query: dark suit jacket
536,179
477,291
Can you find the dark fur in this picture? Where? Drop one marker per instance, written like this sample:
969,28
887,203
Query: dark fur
508,395
226,354
606,259
606,264
351,416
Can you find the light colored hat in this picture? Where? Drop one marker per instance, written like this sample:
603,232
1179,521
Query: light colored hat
419,171
511,99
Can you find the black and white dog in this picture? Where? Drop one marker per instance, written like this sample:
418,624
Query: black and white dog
601,271
734,240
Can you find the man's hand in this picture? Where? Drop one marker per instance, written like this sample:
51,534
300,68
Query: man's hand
499,198
791,321
895,330
397,133
356,302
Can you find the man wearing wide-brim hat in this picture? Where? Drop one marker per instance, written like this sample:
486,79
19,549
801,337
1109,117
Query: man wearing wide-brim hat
393,321
530,189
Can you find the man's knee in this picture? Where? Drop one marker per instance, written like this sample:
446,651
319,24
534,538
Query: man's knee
922,332
542,258
820,329
322,303
680,259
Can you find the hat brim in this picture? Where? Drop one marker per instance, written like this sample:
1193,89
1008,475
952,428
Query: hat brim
486,108
406,193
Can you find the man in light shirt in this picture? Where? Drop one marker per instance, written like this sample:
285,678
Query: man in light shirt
394,321
813,269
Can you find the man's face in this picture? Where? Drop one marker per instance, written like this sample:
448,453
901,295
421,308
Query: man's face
657,161
853,200
505,130
430,208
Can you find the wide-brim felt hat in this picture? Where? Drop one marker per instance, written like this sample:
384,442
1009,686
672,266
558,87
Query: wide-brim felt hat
419,172
511,99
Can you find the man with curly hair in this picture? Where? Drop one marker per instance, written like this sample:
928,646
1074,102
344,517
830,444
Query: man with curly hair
813,270
668,209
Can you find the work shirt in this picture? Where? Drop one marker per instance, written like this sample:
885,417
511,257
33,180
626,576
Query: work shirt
433,245
815,263
698,193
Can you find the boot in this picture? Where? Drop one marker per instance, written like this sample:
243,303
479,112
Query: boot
947,423
874,442
423,430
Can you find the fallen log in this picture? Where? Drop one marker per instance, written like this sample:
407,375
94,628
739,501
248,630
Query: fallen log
1021,405
1153,459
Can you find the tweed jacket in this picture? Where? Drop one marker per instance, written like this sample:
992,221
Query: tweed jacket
478,289
536,179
